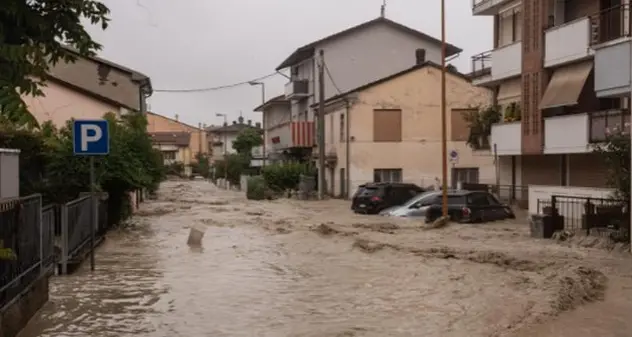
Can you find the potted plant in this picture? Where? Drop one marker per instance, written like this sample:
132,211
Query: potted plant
480,124
512,113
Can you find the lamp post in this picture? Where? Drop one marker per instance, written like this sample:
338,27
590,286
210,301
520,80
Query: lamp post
444,131
225,159
263,117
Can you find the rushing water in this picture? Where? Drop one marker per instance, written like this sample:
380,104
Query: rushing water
263,270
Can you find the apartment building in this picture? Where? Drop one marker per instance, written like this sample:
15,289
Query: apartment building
560,72
390,130
354,57
221,139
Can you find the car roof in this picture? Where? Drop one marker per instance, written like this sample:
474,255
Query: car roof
388,184
457,193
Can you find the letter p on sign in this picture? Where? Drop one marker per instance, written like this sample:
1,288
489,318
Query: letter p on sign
91,137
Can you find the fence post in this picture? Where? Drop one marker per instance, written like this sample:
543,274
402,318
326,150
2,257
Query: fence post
588,212
64,238
554,206
41,234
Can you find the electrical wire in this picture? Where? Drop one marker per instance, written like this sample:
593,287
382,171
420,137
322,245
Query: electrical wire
331,78
220,87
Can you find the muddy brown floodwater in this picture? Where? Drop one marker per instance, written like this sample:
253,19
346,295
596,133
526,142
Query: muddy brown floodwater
291,268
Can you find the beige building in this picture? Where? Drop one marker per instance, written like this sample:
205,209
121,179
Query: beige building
89,88
390,130
178,141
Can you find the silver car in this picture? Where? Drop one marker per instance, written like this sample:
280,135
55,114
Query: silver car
415,207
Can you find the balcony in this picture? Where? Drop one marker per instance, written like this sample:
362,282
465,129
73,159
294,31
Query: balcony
611,43
568,42
588,128
508,138
297,89
291,134
487,7
507,61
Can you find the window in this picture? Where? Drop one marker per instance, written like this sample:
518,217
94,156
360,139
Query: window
478,199
169,155
509,27
331,127
342,127
464,175
387,175
387,125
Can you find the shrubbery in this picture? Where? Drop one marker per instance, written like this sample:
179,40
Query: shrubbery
48,166
256,189
283,177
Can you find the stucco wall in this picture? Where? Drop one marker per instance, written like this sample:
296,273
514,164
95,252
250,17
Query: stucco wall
61,103
419,153
198,143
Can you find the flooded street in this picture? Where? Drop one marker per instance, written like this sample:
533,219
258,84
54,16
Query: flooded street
291,268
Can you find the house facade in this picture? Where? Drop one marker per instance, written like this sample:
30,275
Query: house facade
570,81
170,136
89,88
221,139
390,130
353,57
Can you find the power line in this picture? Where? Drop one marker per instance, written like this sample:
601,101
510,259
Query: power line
331,78
227,86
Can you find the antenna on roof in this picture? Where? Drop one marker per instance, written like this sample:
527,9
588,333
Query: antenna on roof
383,9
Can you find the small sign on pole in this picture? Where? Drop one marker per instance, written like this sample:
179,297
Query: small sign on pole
454,156
91,138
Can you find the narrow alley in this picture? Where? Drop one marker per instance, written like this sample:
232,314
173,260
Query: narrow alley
291,268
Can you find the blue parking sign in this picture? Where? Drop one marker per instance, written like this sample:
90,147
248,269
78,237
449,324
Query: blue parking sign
90,137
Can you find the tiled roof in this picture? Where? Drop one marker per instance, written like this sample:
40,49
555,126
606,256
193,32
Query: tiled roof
171,138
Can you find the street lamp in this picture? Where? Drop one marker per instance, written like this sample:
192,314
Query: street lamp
225,140
263,115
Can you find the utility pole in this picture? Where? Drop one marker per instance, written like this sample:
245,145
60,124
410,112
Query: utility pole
200,130
321,126
444,131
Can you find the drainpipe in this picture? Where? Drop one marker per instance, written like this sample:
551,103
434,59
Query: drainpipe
348,148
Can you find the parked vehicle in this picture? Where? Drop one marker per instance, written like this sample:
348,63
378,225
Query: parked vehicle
463,206
371,198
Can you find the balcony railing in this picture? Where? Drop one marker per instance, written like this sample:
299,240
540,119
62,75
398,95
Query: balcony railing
482,63
610,24
603,122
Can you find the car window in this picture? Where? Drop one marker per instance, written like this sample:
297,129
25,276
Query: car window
424,197
370,191
478,199
492,200
455,200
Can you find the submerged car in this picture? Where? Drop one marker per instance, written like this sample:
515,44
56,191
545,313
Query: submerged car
371,198
463,206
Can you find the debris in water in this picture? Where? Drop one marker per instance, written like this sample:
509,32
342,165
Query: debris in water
388,228
368,246
195,237
254,213
439,223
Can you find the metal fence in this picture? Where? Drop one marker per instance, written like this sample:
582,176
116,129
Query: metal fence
594,215
26,239
76,221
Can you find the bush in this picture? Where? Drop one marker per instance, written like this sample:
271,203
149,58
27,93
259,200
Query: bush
282,177
48,166
231,167
256,188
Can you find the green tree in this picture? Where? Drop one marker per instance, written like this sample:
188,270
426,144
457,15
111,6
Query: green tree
33,35
615,152
246,140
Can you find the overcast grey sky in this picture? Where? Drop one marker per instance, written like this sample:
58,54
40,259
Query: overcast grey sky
184,44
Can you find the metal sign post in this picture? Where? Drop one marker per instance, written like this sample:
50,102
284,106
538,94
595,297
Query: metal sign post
91,138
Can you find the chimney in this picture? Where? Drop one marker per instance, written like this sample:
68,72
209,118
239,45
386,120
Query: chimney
234,122
241,120
258,125
420,56
177,117
250,122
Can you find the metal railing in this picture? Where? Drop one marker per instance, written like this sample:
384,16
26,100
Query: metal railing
26,236
481,64
594,215
610,24
602,122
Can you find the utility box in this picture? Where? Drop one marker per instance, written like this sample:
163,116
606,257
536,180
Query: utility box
9,173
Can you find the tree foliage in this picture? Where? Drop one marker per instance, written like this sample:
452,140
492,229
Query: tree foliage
231,167
48,166
246,140
33,37
480,124
282,177
615,152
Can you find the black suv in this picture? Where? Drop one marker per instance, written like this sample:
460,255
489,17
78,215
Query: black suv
371,198
465,206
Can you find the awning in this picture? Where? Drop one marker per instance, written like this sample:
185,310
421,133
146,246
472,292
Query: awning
566,85
509,92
